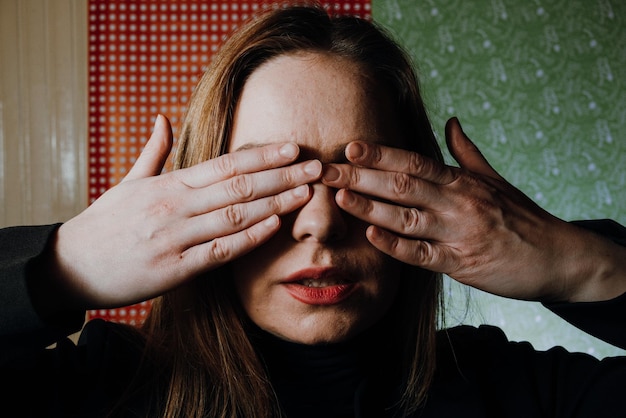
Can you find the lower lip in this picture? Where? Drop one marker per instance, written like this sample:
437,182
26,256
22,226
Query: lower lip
329,295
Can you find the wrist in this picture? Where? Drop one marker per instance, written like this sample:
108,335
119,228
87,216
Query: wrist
596,267
48,287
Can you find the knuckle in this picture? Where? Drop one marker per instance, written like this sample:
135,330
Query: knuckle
276,203
226,165
428,252
252,238
411,220
417,164
353,175
234,215
240,188
422,253
218,250
268,156
289,175
401,183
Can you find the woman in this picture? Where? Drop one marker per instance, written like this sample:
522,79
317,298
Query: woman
295,249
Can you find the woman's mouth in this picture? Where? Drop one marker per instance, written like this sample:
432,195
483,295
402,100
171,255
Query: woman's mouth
319,286
321,282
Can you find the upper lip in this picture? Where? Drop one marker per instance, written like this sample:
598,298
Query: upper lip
317,273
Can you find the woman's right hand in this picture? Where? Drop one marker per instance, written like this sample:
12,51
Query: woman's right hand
153,232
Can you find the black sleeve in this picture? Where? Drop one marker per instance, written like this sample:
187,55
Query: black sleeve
605,320
69,380
482,374
607,228
20,324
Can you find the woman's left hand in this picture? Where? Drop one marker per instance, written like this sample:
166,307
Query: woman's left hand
471,224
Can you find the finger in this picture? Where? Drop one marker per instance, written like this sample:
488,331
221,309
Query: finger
234,218
249,187
239,162
155,153
385,158
408,222
397,187
465,152
222,250
415,252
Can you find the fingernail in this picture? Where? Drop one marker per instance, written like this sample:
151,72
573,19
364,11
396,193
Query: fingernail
376,234
271,222
313,168
331,173
301,191
459,123
354,151
348,198
288,150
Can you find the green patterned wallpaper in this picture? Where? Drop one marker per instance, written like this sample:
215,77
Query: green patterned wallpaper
539,86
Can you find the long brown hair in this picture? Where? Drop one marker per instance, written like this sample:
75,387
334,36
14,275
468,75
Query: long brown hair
198,332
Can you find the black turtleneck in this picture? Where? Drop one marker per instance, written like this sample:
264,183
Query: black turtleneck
330,380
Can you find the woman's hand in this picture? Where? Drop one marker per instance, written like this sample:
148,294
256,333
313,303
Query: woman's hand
153,231
471,224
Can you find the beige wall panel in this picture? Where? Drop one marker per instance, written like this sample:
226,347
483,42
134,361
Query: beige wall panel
43,119
10,194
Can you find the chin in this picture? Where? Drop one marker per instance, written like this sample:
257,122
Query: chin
314,338
320,329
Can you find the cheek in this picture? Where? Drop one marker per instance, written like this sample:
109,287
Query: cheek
255,277
245,290
386,282
261,262
251,289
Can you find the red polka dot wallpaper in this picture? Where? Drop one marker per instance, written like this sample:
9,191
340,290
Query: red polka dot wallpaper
144,59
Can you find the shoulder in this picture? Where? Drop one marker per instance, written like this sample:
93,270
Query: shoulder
480,371
111,339
486,342
87,377
470,337
113,357
486,350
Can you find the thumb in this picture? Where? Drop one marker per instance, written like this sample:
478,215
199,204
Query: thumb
155,153
465,152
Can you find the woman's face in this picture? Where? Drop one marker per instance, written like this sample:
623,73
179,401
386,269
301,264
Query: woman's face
319,279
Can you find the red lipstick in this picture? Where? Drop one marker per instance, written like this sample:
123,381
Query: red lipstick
319,286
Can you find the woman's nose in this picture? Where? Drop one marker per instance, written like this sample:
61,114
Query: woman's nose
320,219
